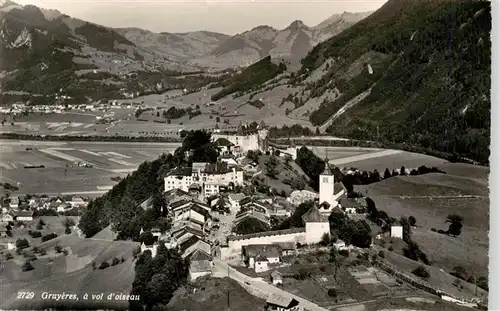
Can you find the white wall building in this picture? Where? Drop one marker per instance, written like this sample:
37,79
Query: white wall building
397,231
210,176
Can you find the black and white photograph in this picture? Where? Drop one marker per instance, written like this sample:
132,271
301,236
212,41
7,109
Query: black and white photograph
246,155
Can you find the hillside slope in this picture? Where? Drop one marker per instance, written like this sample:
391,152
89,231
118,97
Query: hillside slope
414,71
48,54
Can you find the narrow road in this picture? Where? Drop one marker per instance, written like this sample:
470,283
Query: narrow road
259,288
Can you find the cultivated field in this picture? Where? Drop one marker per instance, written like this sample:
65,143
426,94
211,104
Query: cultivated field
391,159
60,176
56,273
210,294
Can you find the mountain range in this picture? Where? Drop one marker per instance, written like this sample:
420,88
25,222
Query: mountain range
412,72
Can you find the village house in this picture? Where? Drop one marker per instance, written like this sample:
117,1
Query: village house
261,257
287,248
351,205
397,230
23,216
14,203
200,264
77,202
64,207
276,278
282,303
3,230
234,200
192,244
7,217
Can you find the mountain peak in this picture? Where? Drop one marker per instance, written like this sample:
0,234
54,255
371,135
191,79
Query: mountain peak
297,24
262,27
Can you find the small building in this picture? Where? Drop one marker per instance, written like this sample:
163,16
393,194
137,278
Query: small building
200,264
259,256
7,217
287,248
14,202
3,231
282,303
396,231
234,200
276,278
63,207
24,216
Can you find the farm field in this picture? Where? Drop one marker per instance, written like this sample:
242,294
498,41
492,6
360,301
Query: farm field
391,160
109,160
56,273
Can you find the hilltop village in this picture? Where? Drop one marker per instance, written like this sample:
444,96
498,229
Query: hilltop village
233,205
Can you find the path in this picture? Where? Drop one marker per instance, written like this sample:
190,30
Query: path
258,287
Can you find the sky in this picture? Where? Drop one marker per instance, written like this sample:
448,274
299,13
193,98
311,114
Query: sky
224,16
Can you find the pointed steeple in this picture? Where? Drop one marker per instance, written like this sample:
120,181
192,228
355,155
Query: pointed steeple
262,125
240,129
327,170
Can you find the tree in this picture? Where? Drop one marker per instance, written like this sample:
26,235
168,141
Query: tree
371,208
67,230
455,227
402,171
104,265
334,259
41,222
421,272
387,174
217,119
22,243
271,165
317,131
459,272
412,220
27,266
68,222
406,229
325,239
58,248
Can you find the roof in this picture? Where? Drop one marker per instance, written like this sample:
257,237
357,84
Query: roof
24,214
285,245
265,233
198,255
350,203
188,243
327,170
237,196
338,187
241,216
148,203
199,166
194,186
176,192
181,171
260,257
223,142
313,215
276,273
266,250
282,301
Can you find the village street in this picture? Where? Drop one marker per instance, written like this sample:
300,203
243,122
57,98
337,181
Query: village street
258,287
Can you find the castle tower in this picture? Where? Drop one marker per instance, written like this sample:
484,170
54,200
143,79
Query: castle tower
326,186
316,225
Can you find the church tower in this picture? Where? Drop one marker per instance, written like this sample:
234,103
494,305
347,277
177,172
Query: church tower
326,186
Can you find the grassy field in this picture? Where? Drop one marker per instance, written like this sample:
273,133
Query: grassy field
56,273
394,161
210,294
419,196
